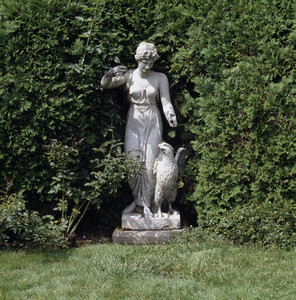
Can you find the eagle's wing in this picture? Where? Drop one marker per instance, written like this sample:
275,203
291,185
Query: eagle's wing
156,162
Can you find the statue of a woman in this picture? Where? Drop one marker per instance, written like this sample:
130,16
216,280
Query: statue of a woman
144,126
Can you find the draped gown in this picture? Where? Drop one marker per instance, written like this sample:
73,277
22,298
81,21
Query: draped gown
142,136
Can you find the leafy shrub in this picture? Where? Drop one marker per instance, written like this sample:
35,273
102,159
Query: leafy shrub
108,174
110,171
48,92
238,65
20,228
269,224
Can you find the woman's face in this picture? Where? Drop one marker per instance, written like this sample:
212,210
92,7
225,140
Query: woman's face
145,65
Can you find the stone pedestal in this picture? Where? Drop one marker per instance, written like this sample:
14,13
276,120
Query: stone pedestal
138,230
136,221
143,237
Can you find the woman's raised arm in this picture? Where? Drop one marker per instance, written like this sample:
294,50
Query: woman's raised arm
115,77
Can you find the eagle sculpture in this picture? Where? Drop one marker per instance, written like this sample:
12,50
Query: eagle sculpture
166,170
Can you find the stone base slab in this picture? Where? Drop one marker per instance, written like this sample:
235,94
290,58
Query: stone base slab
136,221
143,237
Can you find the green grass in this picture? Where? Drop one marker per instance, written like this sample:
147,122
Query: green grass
181,270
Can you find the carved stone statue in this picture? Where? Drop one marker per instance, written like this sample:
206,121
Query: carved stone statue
143,131
166,171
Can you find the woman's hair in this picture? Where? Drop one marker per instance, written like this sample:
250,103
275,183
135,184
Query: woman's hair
146,51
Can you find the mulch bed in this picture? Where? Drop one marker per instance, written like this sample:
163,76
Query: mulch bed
89,238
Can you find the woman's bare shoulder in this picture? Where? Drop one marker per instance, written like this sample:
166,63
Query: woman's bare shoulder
160,76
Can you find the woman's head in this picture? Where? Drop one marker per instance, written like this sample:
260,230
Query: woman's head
146,51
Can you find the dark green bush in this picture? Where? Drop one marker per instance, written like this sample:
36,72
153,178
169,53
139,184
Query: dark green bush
20,228
111,169
42,97
269,224
240,59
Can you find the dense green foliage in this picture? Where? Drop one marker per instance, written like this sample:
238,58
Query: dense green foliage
242,119
271,225
109,172
21,228
231,65
43,96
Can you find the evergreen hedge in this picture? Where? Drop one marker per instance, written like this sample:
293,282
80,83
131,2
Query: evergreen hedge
53,55
241,112
231,65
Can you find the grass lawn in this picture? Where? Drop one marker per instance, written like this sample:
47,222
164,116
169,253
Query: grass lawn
180,270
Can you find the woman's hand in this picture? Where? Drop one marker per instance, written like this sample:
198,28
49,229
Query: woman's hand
115,77
172,120
116,71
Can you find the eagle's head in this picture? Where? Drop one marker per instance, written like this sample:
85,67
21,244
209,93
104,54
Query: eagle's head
166,148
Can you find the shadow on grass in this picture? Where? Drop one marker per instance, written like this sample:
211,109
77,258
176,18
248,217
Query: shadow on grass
49,256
